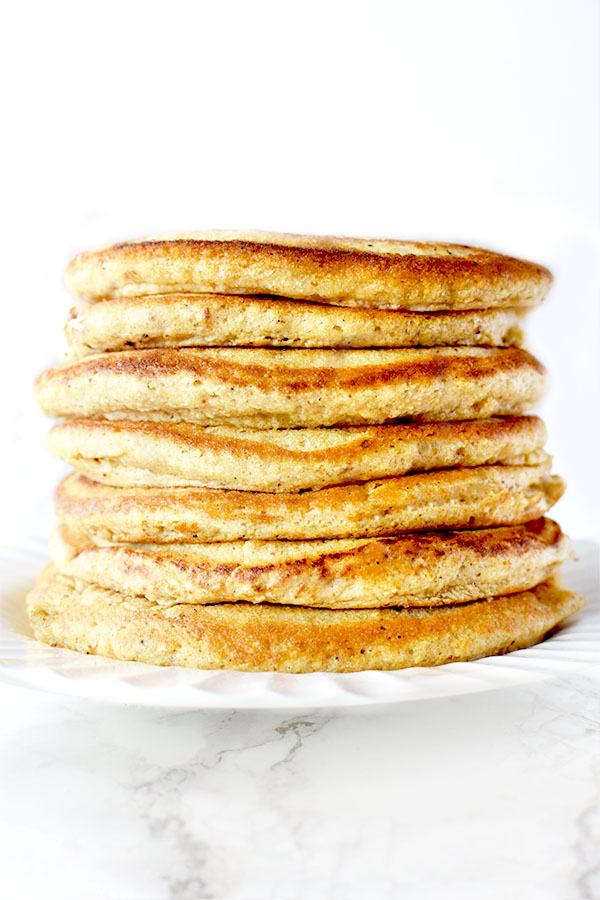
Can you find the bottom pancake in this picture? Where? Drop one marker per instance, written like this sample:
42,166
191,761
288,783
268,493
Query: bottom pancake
82,616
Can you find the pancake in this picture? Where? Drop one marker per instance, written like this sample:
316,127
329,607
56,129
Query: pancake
295,388
342,271
213,320
480,497
180,455
67,612
429,569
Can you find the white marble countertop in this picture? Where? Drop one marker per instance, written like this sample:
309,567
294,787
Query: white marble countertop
308,123
482,796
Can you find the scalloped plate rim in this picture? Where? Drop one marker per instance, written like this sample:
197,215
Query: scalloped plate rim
27,663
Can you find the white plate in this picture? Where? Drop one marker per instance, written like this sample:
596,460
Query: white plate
26,662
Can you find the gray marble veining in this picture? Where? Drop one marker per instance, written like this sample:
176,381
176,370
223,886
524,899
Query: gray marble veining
479,797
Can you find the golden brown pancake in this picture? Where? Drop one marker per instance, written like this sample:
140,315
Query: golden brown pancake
164,454
342,271
67,612
480,497
214,320
267,388
429,569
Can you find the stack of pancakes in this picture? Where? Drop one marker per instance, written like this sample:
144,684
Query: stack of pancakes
300,454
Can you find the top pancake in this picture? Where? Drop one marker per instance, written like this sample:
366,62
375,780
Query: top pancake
341,271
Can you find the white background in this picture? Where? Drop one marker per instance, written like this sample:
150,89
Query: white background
466,120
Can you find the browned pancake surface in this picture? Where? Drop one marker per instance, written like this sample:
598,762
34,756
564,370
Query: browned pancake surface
216,320
269,388
430,569
68,613
161,454
343,271
456,498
